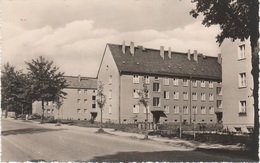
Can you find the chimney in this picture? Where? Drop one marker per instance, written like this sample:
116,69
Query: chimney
170,52
219,59
195,55
79,78
188,55
162,51
123,47
132,48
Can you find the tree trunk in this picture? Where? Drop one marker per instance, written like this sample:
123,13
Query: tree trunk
6,111
42,110
254,35
101,119
146,125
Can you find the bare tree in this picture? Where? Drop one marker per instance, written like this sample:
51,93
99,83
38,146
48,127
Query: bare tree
144,100
101,100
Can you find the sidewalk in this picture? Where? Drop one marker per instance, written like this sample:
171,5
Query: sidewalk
176,142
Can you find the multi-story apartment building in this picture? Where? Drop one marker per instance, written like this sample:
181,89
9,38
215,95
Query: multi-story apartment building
80,102
238,112
180,85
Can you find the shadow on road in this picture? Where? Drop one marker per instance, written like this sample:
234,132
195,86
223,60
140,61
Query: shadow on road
27,131
169,156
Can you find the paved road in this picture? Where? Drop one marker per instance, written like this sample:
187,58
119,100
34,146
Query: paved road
27,141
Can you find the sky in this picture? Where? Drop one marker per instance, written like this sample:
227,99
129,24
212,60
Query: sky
73,33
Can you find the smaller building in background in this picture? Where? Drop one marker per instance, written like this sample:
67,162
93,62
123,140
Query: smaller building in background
80,102
238,112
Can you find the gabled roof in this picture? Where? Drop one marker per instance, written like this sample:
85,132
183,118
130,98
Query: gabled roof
149,61
78,82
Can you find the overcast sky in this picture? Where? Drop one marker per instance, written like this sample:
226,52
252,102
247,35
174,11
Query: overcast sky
74,33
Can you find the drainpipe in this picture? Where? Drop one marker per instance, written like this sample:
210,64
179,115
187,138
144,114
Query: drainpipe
119,103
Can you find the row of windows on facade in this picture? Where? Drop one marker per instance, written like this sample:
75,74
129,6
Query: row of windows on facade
86,100
176,95
85,91
166,81
85,110
176,109
157,102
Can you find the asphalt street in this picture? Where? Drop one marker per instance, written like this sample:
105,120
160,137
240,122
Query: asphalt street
28,141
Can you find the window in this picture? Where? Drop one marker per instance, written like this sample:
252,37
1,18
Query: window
185,110
94,91
242,106
48,110
85,110
203,96
176,109
211,84
194,96
146,80
211,110
94,106
148,109
110,94
194,110
110,109
185,82
202,83
166,81
135,79
175,95
110,79
79,101
203,110
156,101
166,95
185,95
156,87
52,110
194,83
78,110
211,97
166,109
135,93
79,91
219,91
175,81
219,103
241,52
136,109
85,101
93,97
85,91
242,80
156,78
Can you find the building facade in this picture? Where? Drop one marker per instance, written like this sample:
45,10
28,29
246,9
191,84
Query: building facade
238,112
80,102
181,86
